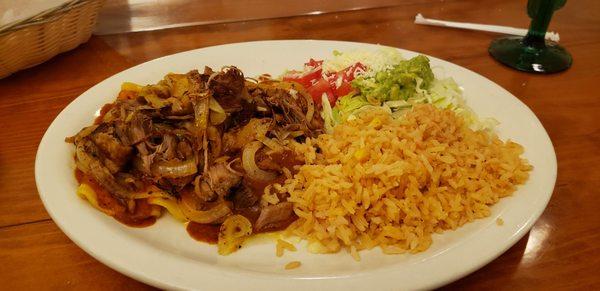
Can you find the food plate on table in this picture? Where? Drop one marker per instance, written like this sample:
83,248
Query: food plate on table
400,101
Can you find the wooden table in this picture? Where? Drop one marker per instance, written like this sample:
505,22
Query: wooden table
562,250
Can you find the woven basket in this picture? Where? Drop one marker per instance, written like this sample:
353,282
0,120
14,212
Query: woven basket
42,37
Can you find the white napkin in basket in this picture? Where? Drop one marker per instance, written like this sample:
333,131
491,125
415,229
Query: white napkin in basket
14,11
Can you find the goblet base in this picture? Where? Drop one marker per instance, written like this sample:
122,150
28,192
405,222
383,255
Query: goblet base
511,51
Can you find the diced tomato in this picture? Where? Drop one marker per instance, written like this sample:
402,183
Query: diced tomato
314,63
332,99
344,89
349,72
334,84
340,81
309,77
302,80
317,90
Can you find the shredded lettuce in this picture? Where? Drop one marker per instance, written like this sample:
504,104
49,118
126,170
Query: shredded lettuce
376,60
446,94
397,88
327,114
346,105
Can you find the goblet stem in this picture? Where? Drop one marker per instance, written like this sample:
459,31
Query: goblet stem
539,25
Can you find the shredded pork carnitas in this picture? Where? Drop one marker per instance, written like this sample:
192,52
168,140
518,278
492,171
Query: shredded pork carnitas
211,140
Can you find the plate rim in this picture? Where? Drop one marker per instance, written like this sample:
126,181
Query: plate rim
152,280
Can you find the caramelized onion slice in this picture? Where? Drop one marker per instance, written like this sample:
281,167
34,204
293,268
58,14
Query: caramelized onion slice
174,169
217,113
170,204
311,106
201,111
249,163
234,230
188,203
271,143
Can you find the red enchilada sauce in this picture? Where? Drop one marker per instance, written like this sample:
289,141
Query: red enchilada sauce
140,217
209,233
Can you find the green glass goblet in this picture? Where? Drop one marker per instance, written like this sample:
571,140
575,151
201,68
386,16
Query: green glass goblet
533,53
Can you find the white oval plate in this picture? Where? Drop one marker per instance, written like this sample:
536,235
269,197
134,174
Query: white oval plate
165,256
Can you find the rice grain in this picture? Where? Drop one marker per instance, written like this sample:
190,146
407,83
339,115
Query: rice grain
379,181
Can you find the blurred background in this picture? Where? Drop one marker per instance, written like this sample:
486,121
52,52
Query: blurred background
120,16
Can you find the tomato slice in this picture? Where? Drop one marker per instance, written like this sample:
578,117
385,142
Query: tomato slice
344,89
317,90
334,84
340,81
306,80
349,73
312,63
